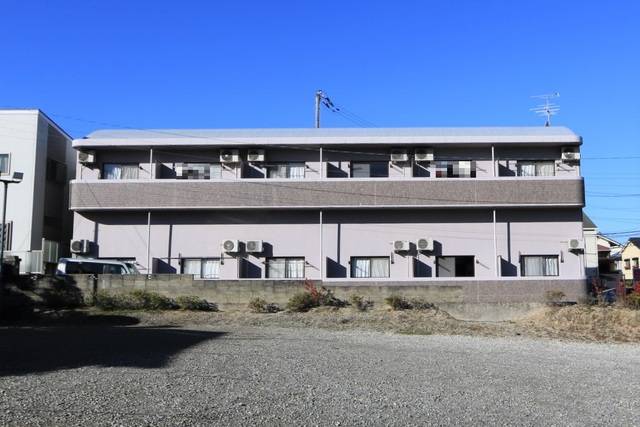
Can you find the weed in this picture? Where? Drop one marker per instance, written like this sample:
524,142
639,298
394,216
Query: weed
360,303
193,303
554,297
258,305
397,302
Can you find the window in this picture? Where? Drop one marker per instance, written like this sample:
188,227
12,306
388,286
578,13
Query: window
285,268
539,265
201,268
627,264
455,169
635,262
455,266
286,170
536,168
120,171
198,171
4,164
369,169
7,235
370,267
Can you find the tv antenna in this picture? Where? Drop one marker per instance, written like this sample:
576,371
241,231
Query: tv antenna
323,99
547,109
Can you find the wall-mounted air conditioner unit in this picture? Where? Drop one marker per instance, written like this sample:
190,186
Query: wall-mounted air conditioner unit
255,155
575,245
399,155
254,246
424,244
86,157
423,154
570,154
80,246
229,156
401,245
231,246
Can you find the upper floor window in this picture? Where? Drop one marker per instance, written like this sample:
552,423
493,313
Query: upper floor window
455,169
627,264
120,171
369,169
536,168
636,262
370,267
455,266
198,171
201,268
539,265
4,164
292,170
285,268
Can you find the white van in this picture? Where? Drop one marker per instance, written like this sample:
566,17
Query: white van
94,266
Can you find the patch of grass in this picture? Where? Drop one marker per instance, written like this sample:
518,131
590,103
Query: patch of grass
194,303
259,305
397,302
360,302
633,300
421,304
147,300
554,297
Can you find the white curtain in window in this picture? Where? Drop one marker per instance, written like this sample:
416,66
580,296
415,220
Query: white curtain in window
112,171
276,268
546,169
361,267
551,266
210,268
295,268
533,266
296,171
129,171
191,266
380,267
526,169
278,171
216,171
4,163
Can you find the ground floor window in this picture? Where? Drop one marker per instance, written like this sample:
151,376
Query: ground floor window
285,268
455,266
539,265
201,268
369,267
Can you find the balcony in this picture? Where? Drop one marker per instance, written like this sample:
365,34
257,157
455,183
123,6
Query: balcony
98,195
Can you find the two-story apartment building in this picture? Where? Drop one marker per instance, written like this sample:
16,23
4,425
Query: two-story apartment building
480,206
39,223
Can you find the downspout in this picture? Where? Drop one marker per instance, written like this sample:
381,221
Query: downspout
495,246
149,269
493,159
321,165
151,168
321,251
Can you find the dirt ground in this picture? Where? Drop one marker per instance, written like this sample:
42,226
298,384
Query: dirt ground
574,323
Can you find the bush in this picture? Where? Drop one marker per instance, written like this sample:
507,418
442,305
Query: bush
633,300
258,305
360,303
194,303
302,301
397,302
554,297
421,304
313,297
134,300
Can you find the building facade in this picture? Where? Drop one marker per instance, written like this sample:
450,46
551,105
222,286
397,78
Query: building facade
430,206
39,223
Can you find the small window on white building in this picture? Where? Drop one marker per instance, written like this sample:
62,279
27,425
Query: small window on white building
285,268
369,267
539,265
536,168
4,164
120,171
201,268
292,170
198,170
455,266
455,169
375,169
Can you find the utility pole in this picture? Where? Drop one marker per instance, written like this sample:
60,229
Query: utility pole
15,179
319,96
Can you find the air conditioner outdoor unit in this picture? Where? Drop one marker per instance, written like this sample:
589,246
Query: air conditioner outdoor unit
401,245
575,245
229,156
255,155
86,157
80,246
570,154
231,246
423,154
253,246
424,244
399,155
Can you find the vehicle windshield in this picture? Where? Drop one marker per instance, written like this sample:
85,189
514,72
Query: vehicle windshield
132,268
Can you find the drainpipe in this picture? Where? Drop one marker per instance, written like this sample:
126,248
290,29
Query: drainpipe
495,246
321,166
321,251
151,168
149,270
493,159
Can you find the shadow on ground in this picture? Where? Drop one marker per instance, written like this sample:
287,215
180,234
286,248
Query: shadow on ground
92,341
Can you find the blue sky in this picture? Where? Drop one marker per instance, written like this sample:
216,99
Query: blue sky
145,64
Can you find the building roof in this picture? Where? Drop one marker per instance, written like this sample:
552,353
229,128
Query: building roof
328,136
635,241
587,222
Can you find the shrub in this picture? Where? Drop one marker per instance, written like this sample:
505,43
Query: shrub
554,297
302,301
633,300
397,302
360,303
258,305
421,304
194,303
107,301
134,300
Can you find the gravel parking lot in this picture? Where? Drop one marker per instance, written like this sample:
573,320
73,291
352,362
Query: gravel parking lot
132,375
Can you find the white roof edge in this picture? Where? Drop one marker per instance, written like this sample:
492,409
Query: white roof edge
37,112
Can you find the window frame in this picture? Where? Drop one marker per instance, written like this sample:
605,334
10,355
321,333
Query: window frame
352,266
287,260
369,162
455,265
200,260
8,172
523,272
627,263
536,163
211,165
102,175
268,167
437,165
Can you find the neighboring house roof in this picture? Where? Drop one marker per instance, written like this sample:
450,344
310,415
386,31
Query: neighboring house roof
328,136
587,222
635,241
612,243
